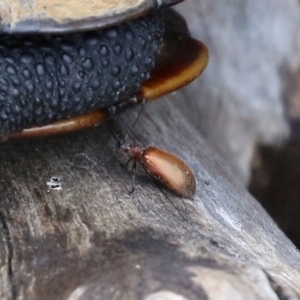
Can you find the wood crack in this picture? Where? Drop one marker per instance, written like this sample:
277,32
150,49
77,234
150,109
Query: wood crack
9,248
282,291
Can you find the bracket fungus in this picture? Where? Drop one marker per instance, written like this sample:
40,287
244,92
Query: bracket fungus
61,72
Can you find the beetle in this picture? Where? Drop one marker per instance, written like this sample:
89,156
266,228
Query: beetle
163,166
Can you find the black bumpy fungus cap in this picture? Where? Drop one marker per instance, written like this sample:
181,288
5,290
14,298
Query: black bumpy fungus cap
44,78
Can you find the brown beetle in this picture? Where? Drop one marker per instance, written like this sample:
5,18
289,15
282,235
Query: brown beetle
163,166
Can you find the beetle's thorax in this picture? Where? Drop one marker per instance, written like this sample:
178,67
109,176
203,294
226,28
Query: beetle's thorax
135,151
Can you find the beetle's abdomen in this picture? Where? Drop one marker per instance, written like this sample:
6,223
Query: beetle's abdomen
170,170
47,78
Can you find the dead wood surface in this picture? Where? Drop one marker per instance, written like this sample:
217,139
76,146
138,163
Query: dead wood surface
92,240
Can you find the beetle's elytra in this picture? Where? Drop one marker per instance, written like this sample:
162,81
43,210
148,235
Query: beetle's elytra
165,167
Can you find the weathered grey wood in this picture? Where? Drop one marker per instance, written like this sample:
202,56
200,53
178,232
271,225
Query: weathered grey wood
253,46
94,241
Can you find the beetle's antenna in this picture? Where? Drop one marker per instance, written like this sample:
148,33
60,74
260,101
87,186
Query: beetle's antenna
140,112
117,133
116,136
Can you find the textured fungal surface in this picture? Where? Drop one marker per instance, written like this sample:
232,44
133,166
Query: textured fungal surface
47,78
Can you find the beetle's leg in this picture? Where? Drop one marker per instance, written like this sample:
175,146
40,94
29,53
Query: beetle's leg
126,164
133,177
